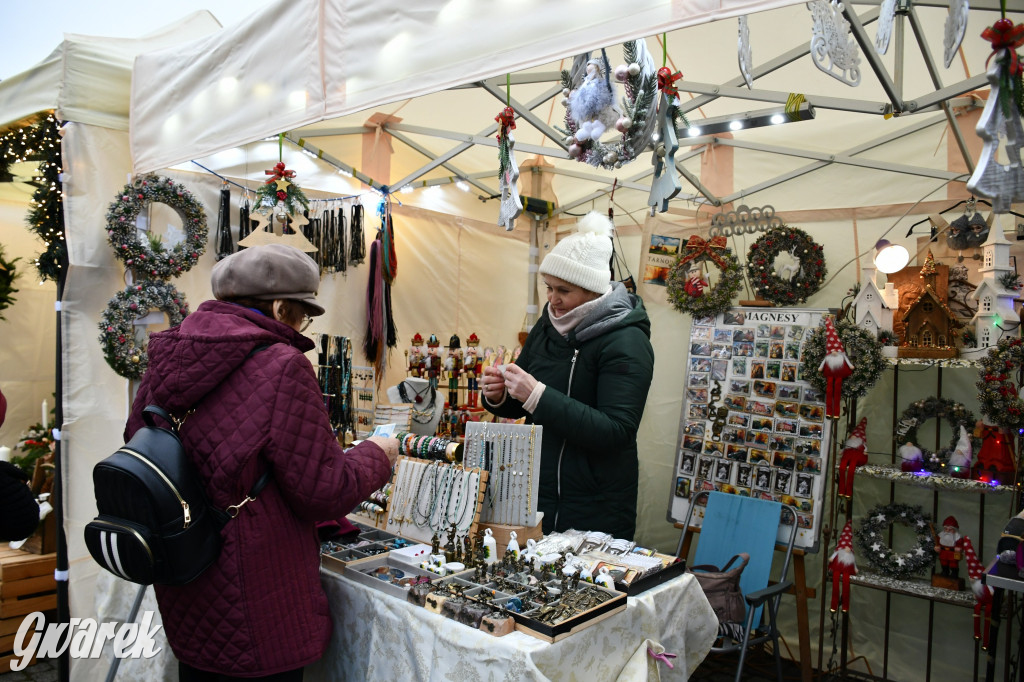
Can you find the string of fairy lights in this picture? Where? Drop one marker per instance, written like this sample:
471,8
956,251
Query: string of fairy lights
40,141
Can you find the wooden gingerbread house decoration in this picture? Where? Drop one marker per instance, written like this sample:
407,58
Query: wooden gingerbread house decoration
874,306
995,302
928,323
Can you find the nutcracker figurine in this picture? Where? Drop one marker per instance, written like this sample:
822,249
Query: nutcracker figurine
453,368
432,362
414,356
473,366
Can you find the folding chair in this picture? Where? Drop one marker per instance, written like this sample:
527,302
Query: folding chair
734,524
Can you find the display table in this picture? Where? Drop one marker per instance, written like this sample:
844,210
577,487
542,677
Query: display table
379,637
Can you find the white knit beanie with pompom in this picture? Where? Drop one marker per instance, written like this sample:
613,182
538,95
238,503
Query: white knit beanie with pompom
584,258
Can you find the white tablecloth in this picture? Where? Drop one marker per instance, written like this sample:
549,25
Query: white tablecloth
379,637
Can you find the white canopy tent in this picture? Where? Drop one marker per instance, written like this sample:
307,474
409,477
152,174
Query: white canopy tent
320,70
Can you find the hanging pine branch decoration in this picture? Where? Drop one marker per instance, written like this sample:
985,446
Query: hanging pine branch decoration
41,142
8,274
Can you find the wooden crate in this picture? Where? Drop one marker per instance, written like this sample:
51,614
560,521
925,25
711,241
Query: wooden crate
26,585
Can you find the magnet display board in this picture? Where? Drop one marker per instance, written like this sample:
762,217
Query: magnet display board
751,423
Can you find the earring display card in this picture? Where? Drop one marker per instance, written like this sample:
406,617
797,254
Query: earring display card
751,423
511,455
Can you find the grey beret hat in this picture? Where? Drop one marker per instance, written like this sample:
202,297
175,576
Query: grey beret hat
268,272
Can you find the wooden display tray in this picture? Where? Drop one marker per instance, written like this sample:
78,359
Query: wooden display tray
673,570
556,633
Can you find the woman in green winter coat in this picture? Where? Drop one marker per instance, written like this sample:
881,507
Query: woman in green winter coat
583,374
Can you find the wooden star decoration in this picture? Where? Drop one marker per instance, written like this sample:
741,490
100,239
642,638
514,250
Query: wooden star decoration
282,184
666,177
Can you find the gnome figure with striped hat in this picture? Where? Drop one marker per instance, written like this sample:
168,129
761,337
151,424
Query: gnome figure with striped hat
982,595
842,565
854,455
835,367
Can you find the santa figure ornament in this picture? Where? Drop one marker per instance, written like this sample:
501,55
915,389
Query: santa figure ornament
959,464
854,455
842,565
835,367
982,595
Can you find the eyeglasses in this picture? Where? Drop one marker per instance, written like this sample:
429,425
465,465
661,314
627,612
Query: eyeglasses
306,321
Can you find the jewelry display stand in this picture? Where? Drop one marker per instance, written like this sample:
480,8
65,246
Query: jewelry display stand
426,411
428,498
511,455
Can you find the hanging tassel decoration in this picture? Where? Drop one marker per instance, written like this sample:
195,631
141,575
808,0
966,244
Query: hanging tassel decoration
225,247
387,237
341,256
376,328
244,224
358,249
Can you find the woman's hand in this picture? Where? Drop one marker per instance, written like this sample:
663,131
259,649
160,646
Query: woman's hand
388,445
492,384
519,383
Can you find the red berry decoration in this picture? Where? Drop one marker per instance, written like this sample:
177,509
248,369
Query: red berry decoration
797,284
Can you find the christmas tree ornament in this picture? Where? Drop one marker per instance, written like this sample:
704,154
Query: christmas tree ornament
666,176
886,15
511,206
149,257
280,205
634,118
835,367
954,30
842,565
1000,122
872,537
854,455
982,595
743,52
833,48
687,287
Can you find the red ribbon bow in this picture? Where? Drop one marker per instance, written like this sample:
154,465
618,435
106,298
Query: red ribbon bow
278,172
666,79
1005,36
697,247
507,119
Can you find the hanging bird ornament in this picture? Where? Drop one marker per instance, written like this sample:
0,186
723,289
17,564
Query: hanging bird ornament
1000,122
511,206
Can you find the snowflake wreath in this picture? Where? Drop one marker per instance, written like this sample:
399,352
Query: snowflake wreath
863,349
639,108
997,390
124,353
874,529
955,414
761,266
150,257
687,292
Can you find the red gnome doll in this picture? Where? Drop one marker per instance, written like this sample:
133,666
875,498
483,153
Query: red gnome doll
835,367
854,455
982,595
842,565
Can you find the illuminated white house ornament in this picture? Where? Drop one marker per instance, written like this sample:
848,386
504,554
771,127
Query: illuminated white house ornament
996,311
874,307
890,257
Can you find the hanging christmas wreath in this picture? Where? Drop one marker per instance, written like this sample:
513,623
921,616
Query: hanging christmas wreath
920,411
874,529
805,279
150,257
589,99
687,288
997,391
125,354
863,349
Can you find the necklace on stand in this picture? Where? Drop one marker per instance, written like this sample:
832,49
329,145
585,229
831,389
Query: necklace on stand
425,415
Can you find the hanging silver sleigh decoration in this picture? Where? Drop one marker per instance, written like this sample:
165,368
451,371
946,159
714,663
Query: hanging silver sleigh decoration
1001,184
743,53
832,40
956,27
886,14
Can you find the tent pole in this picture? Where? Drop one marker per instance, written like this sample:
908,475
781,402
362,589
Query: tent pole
61,572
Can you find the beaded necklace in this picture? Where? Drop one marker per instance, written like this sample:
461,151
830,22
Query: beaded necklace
426,414
462,496
423,518
437,509
473,488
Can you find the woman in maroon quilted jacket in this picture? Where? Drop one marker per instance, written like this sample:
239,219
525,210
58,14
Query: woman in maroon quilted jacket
259,611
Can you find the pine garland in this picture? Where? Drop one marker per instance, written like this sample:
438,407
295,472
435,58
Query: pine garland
874,529
8,273
997,388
